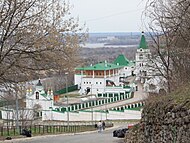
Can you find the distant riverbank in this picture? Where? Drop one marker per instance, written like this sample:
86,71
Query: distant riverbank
104,45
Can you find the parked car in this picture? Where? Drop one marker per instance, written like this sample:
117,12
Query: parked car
115,133
120,133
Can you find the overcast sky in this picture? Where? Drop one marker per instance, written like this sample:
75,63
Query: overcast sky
109,15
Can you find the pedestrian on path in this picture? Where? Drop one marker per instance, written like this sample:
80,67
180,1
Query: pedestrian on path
100,126
103,125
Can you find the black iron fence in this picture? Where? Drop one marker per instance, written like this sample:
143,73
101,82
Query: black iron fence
45,129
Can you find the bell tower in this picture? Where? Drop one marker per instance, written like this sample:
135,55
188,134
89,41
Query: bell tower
142,58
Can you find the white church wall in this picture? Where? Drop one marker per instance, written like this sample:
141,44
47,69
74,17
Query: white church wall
25,114
78,79
91,116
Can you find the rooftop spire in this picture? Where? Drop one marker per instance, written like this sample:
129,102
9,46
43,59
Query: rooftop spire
39,83
143,43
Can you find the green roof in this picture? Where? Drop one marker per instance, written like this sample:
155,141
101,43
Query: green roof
143,43
43,94
121,60
101,66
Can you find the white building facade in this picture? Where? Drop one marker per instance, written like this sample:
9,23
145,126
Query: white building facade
100,77
148,69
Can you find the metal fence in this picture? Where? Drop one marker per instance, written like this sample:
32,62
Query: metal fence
67,89
45,129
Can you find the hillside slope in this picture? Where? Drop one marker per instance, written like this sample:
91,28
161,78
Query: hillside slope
165,119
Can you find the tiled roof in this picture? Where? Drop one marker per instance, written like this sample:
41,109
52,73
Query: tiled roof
101,66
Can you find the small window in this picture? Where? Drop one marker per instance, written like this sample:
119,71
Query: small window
100,82
96,82
84,82
140,56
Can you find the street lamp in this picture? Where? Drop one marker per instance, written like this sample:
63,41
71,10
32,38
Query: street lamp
66,90
17,120
67,111
66,73
92,105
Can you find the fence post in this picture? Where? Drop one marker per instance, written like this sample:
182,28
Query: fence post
31,128
61,128
14,131
20,130
1,131
35,129
39,129
43,129
47,129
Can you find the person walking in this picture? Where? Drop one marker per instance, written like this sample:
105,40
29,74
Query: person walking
100,126
103,125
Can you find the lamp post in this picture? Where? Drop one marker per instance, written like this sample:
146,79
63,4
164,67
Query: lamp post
67,111
66,73
17,120
106,110
92,105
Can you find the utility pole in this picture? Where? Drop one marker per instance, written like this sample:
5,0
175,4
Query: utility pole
92,105
17,125
67,111
66,73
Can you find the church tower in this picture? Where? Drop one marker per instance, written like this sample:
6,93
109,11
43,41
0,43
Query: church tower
142,58
38,97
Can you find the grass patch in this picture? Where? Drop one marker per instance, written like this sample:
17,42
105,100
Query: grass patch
136,109
177,97
69,95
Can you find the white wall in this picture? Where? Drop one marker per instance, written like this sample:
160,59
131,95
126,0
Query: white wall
87,116
78,79
22,114
126,71
96,84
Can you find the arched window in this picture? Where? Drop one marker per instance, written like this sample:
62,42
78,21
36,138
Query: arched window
37,95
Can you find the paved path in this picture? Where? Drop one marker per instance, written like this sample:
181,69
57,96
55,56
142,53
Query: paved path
138,96
91,137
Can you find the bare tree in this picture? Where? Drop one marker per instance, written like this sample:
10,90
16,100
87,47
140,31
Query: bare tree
36,37
170,24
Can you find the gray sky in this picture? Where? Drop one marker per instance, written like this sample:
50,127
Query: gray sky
109,15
